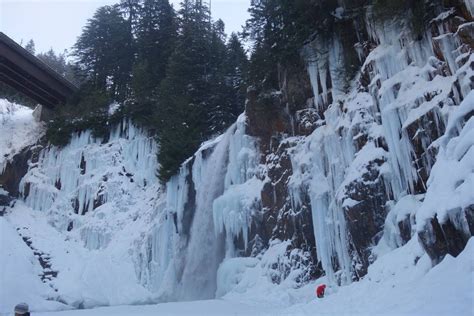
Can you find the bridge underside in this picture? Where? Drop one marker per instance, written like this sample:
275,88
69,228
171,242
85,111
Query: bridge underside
30,76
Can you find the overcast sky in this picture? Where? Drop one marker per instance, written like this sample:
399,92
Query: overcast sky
57,23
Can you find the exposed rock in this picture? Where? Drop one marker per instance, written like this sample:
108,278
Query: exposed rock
405,229
366,216
307,120
271,117
16,169
266,117
99,200
447,22
466,34
190,205
273,113
448,237
422,133
469,213
5,200
83,165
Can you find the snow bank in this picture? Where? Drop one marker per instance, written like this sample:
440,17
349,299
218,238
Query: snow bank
196,308
86,278
19,271
404,209
231,272
273,278
401,283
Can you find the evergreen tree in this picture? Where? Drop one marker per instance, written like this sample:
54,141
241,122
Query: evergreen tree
156,36
130,12
236,67
218,105
30,47
58,63
228,84
184,95
12,95
278,29
185,80
103,52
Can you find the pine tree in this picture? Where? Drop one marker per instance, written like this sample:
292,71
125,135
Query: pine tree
236,67
130,12
278,29
218,105
156,37
228,83
103,52
30,47
12,95
184,95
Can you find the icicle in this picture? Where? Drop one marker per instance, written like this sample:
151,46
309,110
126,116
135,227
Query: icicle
73,170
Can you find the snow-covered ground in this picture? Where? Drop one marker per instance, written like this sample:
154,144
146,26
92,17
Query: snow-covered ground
395,285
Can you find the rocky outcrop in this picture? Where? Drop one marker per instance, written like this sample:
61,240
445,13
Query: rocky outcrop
272,118
400,120
17,167
366,216
449,236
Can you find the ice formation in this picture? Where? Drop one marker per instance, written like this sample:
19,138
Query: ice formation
84,207
75,170
233,210
96,210
206,207
405,87
19,130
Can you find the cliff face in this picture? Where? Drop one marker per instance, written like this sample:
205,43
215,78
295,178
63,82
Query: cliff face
346,162
340,163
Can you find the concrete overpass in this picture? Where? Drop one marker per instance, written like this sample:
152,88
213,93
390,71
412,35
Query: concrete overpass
32,77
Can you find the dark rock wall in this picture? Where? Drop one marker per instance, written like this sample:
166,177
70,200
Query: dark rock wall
17,168
279,118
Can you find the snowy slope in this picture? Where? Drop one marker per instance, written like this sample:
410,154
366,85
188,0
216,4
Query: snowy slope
395,285
19,273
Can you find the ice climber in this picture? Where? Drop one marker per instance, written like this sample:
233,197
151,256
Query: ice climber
320,290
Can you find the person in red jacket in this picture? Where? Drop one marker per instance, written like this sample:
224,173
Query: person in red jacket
320,290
